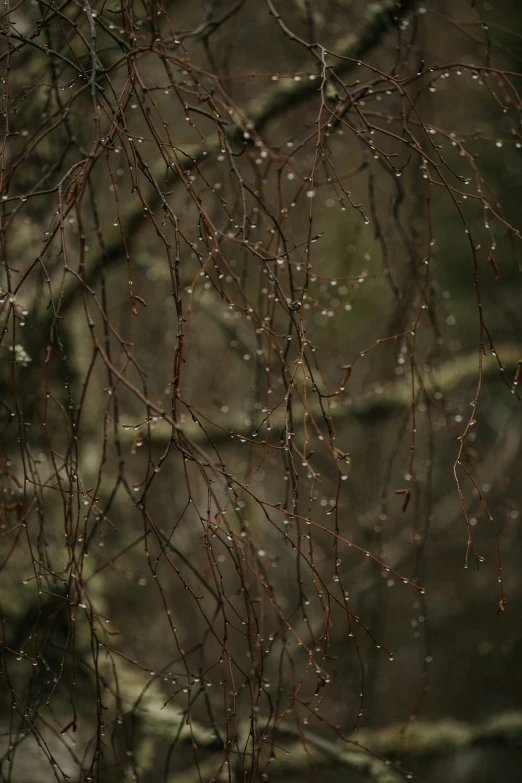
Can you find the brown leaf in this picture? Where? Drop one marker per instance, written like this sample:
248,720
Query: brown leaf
407,496
68,726
494,265
342,454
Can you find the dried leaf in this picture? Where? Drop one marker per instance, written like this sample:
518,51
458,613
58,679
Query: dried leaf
72,723
407,496
494,265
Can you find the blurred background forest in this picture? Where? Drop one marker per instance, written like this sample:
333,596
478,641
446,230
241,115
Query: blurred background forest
260,424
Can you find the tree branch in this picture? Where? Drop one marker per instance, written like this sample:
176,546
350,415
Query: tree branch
370,754
379,18
395,396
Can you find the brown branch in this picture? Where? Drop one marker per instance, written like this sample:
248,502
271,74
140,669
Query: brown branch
378,20
389,399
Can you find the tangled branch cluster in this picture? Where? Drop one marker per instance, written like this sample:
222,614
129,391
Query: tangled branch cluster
227,362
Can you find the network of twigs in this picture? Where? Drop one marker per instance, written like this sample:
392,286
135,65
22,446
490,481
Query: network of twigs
186,203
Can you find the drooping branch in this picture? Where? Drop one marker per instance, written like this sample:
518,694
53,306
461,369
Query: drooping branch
387,399
378,19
